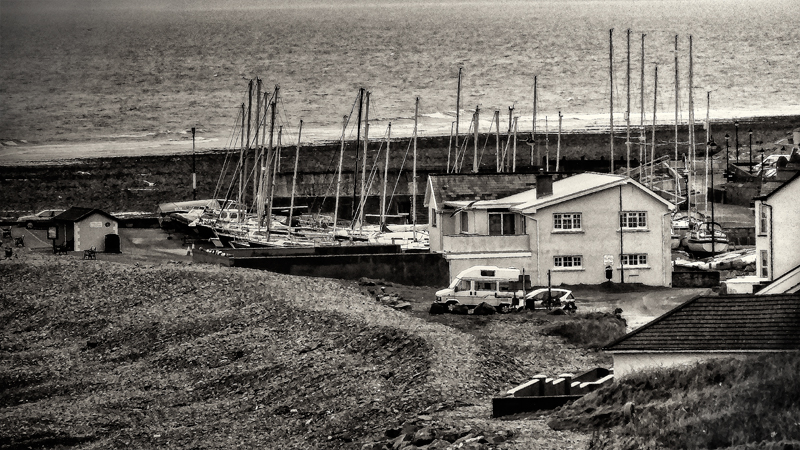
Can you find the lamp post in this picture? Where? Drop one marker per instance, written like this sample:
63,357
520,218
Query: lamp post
750,132
727,158
736,127
761,172
712,146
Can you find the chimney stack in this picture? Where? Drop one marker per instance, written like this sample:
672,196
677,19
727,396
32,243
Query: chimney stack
544,185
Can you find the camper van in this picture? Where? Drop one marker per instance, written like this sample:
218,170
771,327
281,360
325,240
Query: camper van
480,284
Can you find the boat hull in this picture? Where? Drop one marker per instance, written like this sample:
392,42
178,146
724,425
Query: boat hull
706,247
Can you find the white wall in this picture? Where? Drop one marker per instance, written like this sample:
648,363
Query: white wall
782,241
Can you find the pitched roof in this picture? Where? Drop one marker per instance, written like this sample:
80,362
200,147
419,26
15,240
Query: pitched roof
477,186
77,213
563,190
773,189
720,323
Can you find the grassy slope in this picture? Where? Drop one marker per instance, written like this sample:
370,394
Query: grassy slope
108,355
725,403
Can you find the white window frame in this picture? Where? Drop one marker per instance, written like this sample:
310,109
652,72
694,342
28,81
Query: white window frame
764,258
639,260
638,218
763,220
560,220
568,262
433,217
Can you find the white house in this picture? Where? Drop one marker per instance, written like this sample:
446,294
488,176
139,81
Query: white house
711,327
584,229
778,230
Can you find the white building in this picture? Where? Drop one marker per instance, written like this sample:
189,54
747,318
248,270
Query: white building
778,230
584,229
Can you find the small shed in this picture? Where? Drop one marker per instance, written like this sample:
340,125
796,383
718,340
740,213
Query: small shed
83,228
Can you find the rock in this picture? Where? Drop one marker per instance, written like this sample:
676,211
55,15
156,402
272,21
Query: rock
405,306
392,433
373,446
400,441
484,309
452,435
437,444
438,308
423,436
557,312
460,309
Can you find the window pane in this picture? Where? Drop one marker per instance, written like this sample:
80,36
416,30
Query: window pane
557,221
578,261
495,224
559,262
508,224
464,221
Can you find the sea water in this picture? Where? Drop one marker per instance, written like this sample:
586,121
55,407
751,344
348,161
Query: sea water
121,67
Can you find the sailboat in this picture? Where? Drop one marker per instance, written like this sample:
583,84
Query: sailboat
707,238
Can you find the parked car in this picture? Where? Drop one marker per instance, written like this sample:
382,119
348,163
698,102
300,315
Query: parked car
551,298
42,219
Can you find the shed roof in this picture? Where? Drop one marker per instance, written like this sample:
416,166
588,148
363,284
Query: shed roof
477,186
77,213
720,323
774,189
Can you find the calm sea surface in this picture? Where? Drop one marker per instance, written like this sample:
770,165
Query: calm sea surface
111,68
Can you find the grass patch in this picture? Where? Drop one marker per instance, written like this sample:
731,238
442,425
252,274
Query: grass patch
725,403
593,330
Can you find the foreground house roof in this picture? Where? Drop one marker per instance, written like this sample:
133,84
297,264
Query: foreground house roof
76,213
721,324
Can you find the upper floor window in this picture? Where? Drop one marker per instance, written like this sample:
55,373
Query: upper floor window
633,220
764,264
568,261
634,259
433,217
567,222
762,220
464,222
502,223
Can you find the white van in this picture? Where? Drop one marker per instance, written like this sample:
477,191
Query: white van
478,284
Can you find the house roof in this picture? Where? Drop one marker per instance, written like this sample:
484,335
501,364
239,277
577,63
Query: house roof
563,190
76,213
476,186
720,323
773,191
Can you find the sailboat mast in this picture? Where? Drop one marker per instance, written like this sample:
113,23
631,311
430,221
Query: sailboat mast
249,114
294,176
339,177
414,170
708,138
385,176
271,159
558,147
242,168
450,146
628,108
611,91
497,140
458,106
514,161
642,136
257,150
508,138
533,128
653,144
547,146
691,121
475,133
364,166
358,147
677,107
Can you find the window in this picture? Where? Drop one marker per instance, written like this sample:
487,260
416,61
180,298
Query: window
567,222
764,264
464,285
634,259
762,222
464,222
568,261
501,223
433,217
633,220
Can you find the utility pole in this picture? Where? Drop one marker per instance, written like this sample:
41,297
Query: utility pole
611,91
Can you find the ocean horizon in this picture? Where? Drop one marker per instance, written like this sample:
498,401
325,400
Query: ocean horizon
86,70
